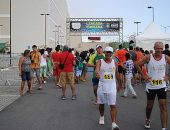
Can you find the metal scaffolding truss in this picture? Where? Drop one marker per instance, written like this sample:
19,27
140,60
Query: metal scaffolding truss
118,33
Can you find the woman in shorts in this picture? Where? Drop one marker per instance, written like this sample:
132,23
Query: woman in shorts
25,71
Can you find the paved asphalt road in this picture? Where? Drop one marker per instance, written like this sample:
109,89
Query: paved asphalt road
44,110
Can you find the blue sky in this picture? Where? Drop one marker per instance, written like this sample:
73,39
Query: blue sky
129,10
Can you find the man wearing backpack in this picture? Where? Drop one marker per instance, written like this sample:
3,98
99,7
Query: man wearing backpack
92,63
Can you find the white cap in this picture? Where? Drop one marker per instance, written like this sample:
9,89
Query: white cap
108,48
98,46
45,53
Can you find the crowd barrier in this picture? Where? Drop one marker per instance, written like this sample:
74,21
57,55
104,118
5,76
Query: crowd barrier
9,76
5,60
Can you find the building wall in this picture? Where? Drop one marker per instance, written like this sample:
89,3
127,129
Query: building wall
28,26
4,20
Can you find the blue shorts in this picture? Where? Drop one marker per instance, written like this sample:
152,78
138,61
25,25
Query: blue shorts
26,76
95,81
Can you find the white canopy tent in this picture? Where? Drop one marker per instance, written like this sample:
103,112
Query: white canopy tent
151,34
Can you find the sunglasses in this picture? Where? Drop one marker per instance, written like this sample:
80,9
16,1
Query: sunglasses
108,52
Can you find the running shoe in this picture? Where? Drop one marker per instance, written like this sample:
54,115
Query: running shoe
134,96
115,126
123,96
74,97
59,86
45,82
101,120
147,124
63,97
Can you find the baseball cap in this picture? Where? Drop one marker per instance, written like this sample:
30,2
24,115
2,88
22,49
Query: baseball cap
108,48
98,46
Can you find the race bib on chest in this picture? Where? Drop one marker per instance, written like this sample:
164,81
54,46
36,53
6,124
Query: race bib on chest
108,76
156,82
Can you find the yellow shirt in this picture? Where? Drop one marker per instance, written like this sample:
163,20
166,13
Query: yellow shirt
92,58
36,59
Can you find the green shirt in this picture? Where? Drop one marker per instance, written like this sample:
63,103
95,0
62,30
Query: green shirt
93,60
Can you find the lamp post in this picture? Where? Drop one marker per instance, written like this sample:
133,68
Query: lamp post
58,33
150,7
165,27
55,37
10,27
137,26
45,28
61,39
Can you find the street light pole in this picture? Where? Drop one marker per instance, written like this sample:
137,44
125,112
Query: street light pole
10,45
45,28
137,26
55,38
165,27
58,33
150,7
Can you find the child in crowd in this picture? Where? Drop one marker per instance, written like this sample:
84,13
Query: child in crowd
128,65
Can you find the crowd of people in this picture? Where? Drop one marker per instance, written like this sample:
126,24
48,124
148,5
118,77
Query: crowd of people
112,71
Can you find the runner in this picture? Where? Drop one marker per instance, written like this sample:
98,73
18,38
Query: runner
92,63
106,72
155,83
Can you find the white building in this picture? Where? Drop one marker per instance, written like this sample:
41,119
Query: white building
28,25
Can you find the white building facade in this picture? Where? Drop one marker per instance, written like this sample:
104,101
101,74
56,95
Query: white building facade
28,25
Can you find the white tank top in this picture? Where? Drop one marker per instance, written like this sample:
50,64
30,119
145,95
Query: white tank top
156,70
107,81
43,61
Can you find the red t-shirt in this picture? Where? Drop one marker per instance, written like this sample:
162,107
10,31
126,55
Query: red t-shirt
68,66
55,56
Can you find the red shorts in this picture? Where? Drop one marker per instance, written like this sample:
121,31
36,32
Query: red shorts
56,71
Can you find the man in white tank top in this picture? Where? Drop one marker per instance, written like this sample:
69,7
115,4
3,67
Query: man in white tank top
106,71
156,82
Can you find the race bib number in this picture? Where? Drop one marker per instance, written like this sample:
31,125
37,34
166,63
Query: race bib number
108,76
156,82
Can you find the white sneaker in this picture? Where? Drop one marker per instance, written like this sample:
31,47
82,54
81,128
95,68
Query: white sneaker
101,120
45,81
115,126
147,124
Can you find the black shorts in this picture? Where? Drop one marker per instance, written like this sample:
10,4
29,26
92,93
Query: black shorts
135,70
161,93
26,76
121,70
95,81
